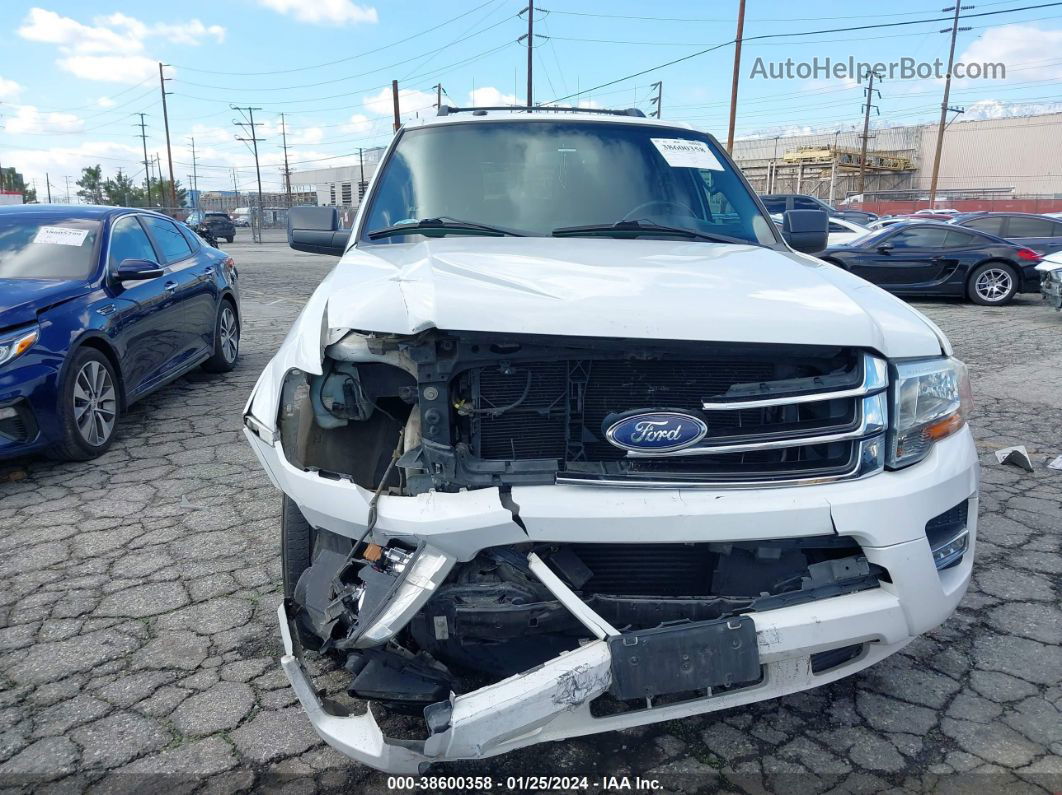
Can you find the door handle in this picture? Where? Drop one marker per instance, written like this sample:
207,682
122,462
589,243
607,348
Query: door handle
106,310
170,286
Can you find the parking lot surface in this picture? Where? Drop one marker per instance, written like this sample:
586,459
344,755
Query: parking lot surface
138,598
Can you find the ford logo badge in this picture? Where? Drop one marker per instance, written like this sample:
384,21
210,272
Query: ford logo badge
656,431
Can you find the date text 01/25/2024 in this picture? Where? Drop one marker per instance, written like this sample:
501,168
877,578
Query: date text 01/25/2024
521,783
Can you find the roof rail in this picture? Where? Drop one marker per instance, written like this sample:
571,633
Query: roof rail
446,110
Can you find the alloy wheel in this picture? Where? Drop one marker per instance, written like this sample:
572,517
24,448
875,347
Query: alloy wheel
993,284
95,403
230,335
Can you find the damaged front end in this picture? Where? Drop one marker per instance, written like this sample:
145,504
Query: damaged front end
499,634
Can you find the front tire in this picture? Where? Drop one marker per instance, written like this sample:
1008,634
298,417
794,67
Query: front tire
297,538
229,239
992,284
89,407
226,340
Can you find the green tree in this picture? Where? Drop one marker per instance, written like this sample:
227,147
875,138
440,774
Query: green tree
13,181
122,191
91,184
166,199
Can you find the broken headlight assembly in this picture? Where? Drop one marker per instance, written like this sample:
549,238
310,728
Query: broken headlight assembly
931,400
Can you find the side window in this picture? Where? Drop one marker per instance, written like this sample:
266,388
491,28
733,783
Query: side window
836,227
919,237
169,238
1023,226
992,224
190,236
128,241
804,203
774,205
960,239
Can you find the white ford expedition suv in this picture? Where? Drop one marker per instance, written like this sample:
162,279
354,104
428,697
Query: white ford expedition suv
573,439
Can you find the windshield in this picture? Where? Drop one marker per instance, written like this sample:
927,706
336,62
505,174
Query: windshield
48,248
535,177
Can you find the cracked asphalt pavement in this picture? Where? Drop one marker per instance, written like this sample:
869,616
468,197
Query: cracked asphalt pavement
138,596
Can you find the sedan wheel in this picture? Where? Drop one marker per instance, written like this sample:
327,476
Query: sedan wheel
230,334
95,403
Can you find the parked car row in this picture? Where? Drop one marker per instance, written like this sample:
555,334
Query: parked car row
99,307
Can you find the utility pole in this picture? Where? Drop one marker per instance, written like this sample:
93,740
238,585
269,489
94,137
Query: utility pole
67,178
48,185
658,100
143,141
944,108
125,198
162,194
194,178
438,94
166,124
249,125
394,100
866,131
530,41
287,171
737,74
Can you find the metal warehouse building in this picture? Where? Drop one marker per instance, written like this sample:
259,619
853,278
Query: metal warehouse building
1018,157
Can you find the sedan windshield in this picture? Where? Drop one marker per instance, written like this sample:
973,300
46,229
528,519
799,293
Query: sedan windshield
48,248
538,177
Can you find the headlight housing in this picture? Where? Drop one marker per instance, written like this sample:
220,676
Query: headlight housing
16,343
931,400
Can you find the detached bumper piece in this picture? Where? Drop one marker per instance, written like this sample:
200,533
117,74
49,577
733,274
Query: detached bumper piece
640,675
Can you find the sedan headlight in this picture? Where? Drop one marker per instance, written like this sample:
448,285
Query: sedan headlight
931,400
16,343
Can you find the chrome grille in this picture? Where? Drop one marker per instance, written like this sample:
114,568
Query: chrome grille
770,421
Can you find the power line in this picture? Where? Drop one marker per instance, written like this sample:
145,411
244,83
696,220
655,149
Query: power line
349,58
791,34
249,125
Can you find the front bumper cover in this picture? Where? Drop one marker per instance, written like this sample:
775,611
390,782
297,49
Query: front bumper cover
887,514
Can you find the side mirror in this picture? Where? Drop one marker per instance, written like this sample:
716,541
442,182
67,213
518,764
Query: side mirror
137,270
885,248
806,231
316,230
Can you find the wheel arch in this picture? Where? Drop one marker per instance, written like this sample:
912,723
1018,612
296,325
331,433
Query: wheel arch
101,344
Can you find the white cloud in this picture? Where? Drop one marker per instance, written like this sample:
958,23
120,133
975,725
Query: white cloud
358,123
1026,51
308,135
9,89
29,120
109,50
70,160
997,109
52,28
320,12
409,101
489,96
105,102
189,32
110,68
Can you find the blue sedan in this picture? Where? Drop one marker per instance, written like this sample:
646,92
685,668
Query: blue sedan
99,306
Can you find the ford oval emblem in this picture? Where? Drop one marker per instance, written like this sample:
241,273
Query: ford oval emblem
656,431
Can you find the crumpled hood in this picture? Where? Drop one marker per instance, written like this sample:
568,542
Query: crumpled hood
22,299
603,287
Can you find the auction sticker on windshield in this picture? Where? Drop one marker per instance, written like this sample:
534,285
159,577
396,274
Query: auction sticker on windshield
684,153
61,236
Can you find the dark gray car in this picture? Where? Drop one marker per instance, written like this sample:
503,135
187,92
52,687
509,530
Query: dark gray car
1038,232
220,224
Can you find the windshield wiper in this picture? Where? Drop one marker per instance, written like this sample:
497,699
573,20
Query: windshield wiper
626,228
441,225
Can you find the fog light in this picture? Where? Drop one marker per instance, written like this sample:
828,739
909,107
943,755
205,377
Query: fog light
952,550
7,413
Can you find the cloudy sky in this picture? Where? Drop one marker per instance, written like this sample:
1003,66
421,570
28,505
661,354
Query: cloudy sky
74,75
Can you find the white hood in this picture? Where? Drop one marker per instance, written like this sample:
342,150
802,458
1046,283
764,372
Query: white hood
596,287
602,287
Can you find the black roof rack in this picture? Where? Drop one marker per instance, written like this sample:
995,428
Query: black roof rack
446,110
